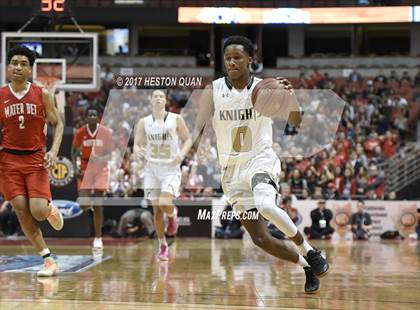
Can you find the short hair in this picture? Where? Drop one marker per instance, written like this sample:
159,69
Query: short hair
165,91
92,108
361,201
240,40
21,50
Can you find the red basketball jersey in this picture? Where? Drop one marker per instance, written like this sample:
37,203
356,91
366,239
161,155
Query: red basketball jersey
23,118
85,140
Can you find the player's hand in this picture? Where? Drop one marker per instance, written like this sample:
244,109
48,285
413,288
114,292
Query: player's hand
94,157
177,160
285,82
140,153
49,159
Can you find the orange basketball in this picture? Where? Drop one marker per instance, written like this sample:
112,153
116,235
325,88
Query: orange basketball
270,99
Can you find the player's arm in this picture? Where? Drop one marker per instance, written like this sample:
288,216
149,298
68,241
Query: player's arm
75,146
185,135
205,112
139,140
1,131
54,119
294,111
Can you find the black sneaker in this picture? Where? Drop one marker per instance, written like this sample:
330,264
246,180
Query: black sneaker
318,264
312,282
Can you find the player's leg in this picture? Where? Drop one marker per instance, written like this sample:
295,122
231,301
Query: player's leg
170,189
40,202
158,218
265,193
153,188
98,219
88,201
167,206
41,208
37,208
28,223
261,237
100,185
87,195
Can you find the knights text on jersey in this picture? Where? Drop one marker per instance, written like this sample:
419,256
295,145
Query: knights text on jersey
241,132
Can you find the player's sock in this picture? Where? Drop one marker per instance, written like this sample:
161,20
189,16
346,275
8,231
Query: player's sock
265,202
304,247
302,262
45,253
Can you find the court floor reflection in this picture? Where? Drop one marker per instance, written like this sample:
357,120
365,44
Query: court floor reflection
221,274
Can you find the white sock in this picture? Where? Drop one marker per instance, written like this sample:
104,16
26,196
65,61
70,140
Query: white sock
305,247
265,202
302,262
162,242
45,252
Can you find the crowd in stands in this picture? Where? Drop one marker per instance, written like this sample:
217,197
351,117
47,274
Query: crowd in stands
376,122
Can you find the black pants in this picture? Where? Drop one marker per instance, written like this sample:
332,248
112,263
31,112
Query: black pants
317,234
360,234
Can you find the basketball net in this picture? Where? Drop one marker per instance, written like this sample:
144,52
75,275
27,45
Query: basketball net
51,83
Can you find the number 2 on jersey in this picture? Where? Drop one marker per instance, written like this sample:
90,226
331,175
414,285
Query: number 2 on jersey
242,139
21,122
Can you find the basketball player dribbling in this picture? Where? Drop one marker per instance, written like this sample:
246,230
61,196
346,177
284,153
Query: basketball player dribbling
250,167
23,161
93,143
156,140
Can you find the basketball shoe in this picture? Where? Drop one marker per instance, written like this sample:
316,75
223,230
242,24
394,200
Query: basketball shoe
163,254
55,218
98,244
50,268
312,282
318,264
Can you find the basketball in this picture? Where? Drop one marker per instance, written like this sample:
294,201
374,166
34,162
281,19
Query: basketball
271,99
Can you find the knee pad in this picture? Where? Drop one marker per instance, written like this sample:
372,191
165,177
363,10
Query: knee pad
265,201
264,197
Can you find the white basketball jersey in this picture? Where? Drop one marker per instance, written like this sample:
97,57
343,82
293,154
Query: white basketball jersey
241,132
161,138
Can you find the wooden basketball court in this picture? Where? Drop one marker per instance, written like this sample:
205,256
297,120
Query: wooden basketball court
220,274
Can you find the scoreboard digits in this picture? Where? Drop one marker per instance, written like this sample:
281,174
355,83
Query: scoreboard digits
52,6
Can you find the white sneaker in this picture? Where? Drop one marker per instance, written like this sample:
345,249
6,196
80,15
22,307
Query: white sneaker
97,243
50,268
